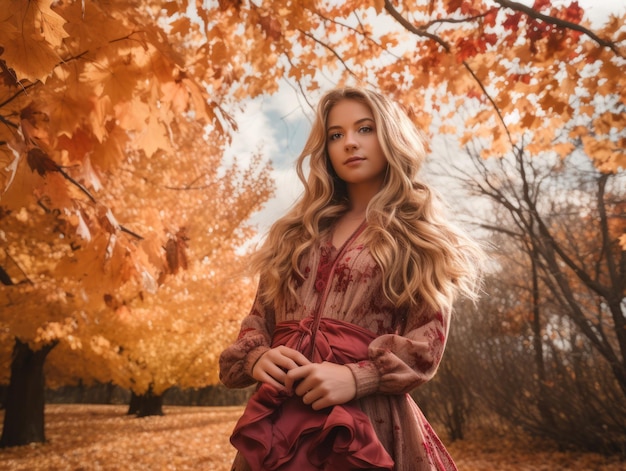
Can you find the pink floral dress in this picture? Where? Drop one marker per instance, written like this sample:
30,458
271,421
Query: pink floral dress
396,351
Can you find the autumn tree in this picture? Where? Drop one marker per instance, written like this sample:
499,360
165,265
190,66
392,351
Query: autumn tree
570,219
173,337
551,328
112,186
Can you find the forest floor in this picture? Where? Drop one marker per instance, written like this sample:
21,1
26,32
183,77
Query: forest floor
103,437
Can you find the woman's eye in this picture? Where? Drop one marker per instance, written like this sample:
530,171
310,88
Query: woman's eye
334,136
365,129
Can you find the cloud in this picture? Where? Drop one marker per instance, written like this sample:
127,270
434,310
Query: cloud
275,126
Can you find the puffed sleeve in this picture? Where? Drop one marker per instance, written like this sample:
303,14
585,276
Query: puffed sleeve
399,363
254,339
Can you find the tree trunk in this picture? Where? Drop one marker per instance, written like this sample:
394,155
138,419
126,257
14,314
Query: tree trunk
147,404
543,399
133,405
24,407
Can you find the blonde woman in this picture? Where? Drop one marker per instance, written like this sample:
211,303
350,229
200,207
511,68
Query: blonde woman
356,288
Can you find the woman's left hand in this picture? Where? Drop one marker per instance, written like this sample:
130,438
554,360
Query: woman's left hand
322,384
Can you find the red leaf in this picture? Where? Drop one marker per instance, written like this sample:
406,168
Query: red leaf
574,13
39,161
490,17
271,27
541,4
78,145
512,21
452,5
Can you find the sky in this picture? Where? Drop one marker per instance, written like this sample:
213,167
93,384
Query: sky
277,127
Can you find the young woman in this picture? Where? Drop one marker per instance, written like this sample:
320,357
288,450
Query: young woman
356,286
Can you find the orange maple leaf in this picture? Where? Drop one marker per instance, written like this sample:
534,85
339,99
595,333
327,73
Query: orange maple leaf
114,77
30,58
34,32
44,20
78,145
154,137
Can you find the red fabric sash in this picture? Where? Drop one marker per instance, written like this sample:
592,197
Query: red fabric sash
278,432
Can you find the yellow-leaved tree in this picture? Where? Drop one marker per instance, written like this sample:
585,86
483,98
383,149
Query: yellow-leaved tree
120,223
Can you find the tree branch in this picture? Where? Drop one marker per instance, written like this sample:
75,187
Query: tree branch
559,22
425,34
129,232
604,229
19,267
8,123
361,32
326,46
440,21
412,28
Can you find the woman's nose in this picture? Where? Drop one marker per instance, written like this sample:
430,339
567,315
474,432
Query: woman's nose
350,143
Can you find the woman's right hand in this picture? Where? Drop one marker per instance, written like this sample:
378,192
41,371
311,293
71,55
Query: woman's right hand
274,364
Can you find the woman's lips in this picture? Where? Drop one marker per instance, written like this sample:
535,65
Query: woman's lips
353,159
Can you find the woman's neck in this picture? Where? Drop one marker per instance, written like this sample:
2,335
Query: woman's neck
360,198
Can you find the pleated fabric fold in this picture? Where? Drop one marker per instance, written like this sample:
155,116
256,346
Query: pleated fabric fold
278,432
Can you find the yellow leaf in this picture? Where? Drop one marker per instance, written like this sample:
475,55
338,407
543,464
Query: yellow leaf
100,115
30,58
154,137
66,110
176,94
34,32
607,156
47,21
90,26
112,150
181,25
35,18
114,77
578,131
448,129
481,118
133,115
563,149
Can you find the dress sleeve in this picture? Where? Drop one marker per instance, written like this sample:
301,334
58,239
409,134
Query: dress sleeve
398,363
254,339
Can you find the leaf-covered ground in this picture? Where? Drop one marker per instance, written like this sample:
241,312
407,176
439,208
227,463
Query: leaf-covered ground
98,437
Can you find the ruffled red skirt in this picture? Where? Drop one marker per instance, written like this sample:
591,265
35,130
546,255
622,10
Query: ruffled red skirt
278,432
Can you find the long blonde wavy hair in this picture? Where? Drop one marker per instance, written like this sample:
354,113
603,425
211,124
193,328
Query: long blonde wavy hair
423,257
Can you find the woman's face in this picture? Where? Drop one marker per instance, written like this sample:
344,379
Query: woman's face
353,147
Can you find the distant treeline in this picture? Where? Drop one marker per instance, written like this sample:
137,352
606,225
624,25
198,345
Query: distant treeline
110,393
